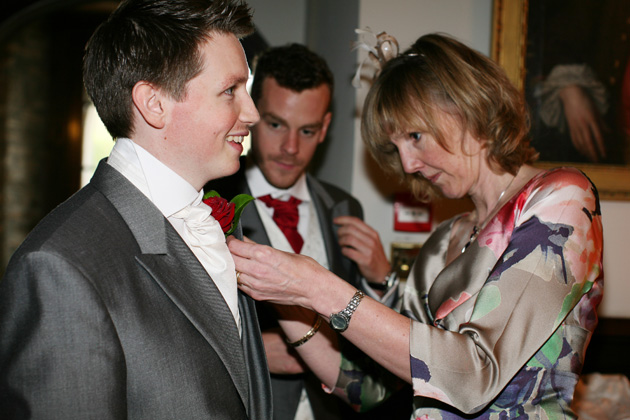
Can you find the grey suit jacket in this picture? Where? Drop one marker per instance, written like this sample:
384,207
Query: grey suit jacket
105,313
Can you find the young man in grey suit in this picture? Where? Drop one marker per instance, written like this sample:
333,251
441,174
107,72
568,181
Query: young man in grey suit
292,90
115,306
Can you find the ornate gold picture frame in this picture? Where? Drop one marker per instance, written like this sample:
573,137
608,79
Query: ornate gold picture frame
509,45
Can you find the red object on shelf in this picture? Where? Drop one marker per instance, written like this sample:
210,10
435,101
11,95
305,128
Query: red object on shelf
411,215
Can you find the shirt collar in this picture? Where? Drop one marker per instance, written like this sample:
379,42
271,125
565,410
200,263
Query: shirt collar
163,186
259,186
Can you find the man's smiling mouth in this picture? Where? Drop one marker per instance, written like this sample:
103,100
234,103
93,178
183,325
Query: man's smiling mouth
236,139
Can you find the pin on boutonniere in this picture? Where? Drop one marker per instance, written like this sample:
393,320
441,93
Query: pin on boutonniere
227,213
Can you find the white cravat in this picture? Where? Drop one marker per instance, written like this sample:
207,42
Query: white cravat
194,222
206,239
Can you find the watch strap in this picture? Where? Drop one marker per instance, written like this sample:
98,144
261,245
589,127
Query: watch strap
350,308
390,278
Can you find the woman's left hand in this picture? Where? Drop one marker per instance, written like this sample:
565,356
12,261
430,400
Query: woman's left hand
276,276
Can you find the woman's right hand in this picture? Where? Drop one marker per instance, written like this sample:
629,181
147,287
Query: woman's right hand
290,279
279,277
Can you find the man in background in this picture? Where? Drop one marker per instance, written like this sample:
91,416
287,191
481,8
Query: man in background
294,212
122,303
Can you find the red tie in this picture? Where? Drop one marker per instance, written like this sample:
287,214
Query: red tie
285,214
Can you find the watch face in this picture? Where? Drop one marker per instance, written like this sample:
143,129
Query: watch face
338,322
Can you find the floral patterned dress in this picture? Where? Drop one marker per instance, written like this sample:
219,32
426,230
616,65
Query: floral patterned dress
501,332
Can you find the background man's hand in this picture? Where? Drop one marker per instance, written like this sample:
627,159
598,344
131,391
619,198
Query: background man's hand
362,244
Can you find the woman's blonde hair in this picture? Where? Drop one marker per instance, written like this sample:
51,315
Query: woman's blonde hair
439,73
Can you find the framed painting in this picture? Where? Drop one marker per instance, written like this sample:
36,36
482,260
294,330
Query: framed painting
573,66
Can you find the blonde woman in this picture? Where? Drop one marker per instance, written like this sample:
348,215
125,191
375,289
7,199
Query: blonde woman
501,302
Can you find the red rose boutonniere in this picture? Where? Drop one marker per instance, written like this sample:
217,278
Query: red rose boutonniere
227,213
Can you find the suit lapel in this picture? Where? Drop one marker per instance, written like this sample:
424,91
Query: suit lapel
173,266
188,285
327,209
256,363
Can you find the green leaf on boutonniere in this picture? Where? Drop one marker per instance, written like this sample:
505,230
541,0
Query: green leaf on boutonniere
238,203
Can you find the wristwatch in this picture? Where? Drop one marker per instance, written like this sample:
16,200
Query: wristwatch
390,278
340,321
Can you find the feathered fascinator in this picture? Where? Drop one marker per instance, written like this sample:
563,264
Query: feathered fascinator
381,48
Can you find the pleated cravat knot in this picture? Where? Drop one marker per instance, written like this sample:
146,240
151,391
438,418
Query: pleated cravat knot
286,216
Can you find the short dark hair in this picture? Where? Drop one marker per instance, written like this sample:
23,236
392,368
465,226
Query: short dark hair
440,73
294,67
157,41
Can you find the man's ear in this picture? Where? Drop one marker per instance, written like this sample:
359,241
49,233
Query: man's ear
149,102
325,125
